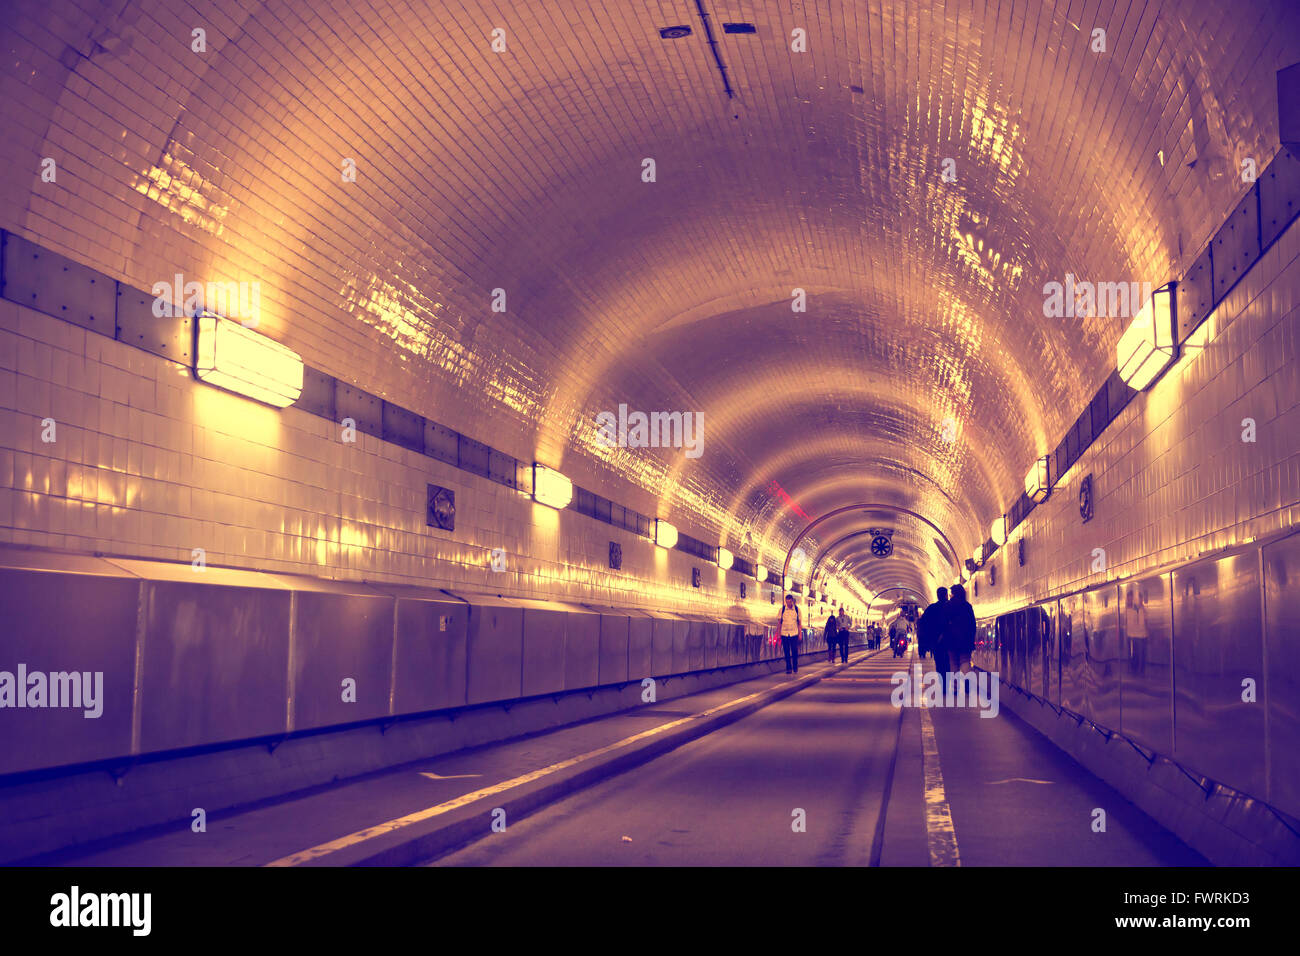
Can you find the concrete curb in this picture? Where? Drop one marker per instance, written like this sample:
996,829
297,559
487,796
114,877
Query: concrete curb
424,841
1226,827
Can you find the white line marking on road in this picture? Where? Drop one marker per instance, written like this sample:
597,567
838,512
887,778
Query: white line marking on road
454,776
1019,780
940,834
379,829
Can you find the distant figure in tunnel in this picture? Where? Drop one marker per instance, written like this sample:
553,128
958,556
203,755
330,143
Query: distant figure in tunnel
831,633
959,631
930,628
842,633
790,626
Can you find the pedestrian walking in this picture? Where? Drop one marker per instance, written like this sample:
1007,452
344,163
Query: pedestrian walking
832,629
959,631
790,626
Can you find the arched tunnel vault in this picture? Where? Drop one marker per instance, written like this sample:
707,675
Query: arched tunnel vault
522,171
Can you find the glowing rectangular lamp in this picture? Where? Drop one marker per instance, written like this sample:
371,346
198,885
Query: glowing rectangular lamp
760,573
551,488
240,360
1037,483
978,554
665,534
1147,346
998,530
725,559
789,583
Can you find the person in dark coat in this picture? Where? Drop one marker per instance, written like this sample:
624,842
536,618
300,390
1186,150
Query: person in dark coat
959,631
832,631
929,631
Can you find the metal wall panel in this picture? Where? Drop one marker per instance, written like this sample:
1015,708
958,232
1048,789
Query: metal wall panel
1105,657
338,636
216,664
68,622
1195,294
1282,680
1218,642
1236,244
1034,627
317,395
57,286
495,653
582,650
640,633
135,324
431,655
441,442
1279,196
662,646
1147,636
613,648
681,646
360,406
402,427
544,651
1070,635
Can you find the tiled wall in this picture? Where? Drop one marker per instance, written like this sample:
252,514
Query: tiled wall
1172,476
146,462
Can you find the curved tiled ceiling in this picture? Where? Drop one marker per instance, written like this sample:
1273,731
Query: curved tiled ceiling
521,170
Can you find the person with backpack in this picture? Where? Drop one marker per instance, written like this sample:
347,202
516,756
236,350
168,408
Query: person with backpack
790,626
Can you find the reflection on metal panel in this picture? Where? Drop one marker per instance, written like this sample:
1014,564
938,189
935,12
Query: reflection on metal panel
1148,677
1073,660
544,652
228,648
65,623
431,655
1218,643
340,637
582,650
662,646
495,653
1105,662
640,632
1282,682
681,646
613,648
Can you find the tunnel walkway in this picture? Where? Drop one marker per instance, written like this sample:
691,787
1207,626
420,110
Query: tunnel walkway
824,771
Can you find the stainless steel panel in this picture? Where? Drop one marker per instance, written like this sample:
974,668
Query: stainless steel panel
696,636
582,650
662,646
495,653
317,393
402,427
640,632
613,648
1282,682
1279,196
1035,626
57,286
1145,607
56,622
1236,244
1218,643
216,664
136,325
340,636
1104,673
544,651
362,407
432,654
1194,297
681,646
711,629
1070,633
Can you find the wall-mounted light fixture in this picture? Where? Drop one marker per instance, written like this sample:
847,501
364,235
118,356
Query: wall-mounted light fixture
789,583
998,530
240,360
978,555
1148,346
551,488
665,533
725,559
760,573
1038,483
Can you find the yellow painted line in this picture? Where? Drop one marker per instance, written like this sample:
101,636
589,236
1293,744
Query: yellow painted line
379,829
940,834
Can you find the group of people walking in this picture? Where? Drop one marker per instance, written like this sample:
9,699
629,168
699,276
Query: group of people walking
946,631
790,625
